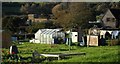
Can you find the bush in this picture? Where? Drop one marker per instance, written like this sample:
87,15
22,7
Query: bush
7,57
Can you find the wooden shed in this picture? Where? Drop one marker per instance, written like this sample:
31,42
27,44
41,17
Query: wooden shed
6,38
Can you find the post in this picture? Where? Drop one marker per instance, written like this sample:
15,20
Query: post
25,36
70,39
58,57
89,37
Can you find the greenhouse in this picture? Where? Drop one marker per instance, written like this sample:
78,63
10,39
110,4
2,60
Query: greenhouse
48,36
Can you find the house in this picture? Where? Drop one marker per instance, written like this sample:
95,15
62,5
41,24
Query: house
111,18
36,18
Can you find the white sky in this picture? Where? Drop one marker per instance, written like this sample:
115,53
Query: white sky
60,0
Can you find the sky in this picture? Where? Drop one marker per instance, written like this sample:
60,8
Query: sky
60,0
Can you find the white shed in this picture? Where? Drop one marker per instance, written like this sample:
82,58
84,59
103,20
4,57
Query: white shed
74,36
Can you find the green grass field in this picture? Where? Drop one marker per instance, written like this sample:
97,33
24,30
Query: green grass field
93,54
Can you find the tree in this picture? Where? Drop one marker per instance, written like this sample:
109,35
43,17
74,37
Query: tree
25,8
102,7
9,23
37,8
35,26
115,5
72,15
12,23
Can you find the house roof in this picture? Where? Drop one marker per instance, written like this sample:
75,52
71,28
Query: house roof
116,13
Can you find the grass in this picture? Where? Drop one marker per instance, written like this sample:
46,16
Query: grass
93,54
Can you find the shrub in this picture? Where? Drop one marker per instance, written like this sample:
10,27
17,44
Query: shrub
7,57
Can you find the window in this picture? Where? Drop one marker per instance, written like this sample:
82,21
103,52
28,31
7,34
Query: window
75,35
36,16
107,19
113,19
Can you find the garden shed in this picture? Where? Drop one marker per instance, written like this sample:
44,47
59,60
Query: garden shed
74,36
6,38
48,36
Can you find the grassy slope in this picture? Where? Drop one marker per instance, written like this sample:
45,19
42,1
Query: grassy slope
93,54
